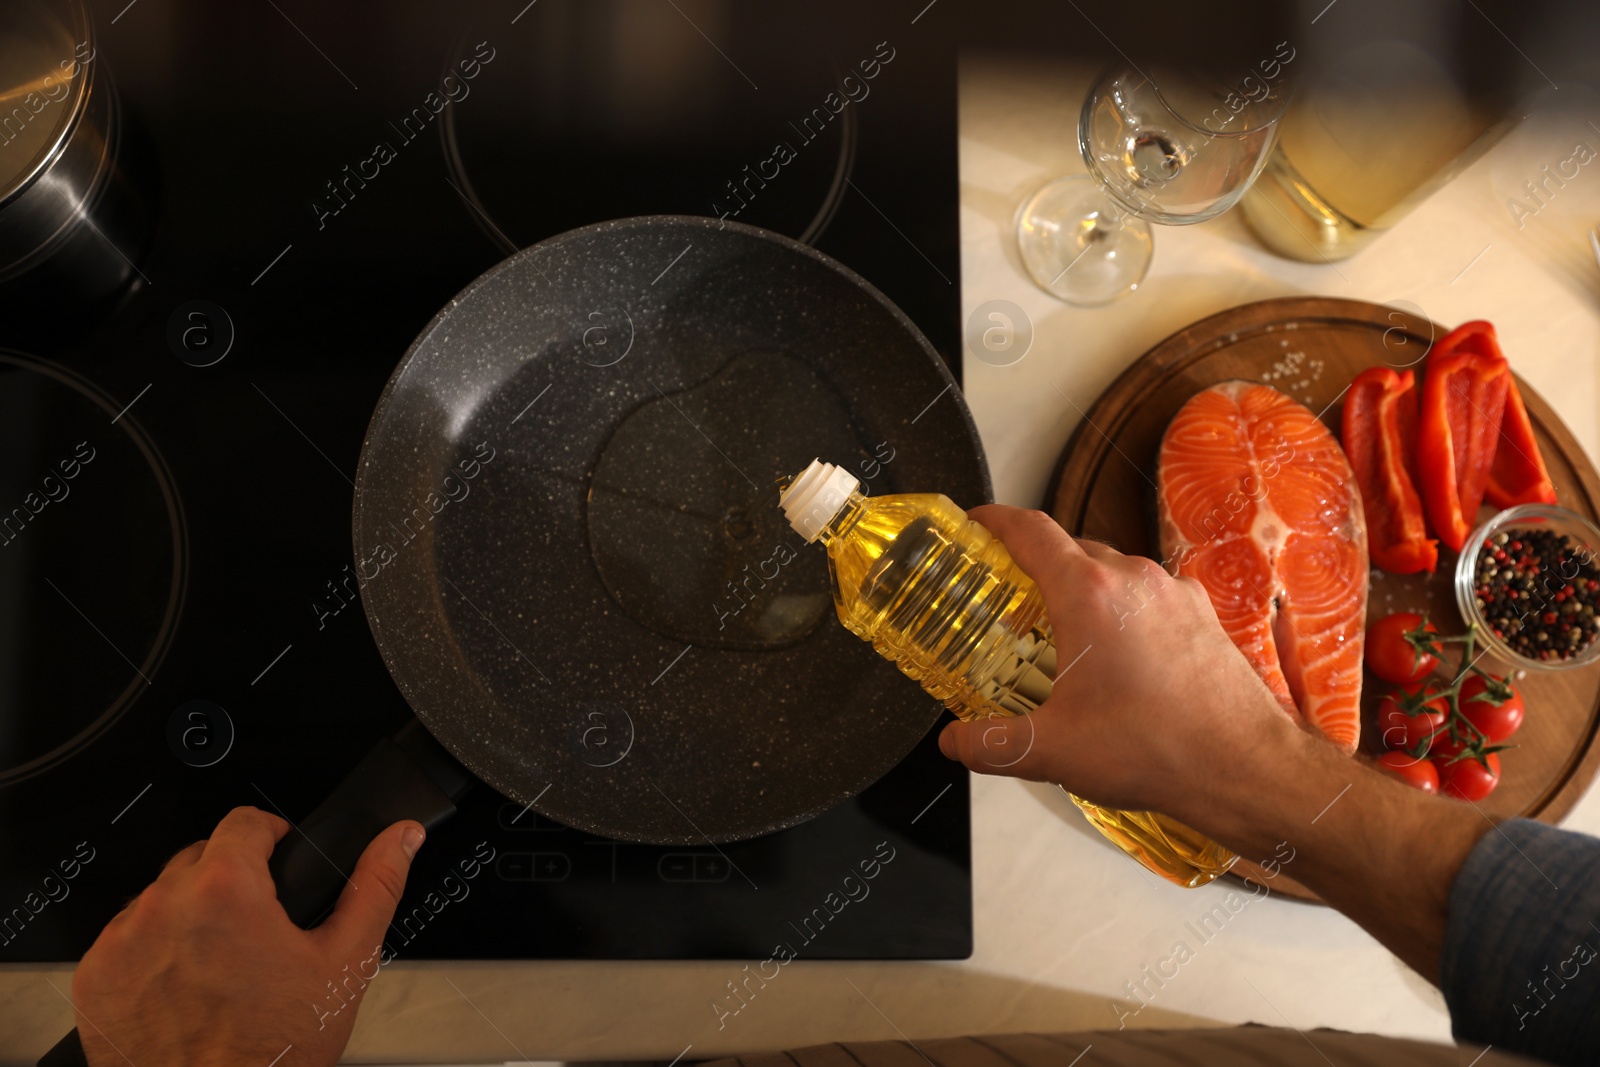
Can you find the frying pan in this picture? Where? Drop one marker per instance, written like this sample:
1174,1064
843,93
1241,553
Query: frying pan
568,545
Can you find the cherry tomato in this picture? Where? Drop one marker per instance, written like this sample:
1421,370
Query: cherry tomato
1444,747
1419,773
1468,779
1391,657
1398,730
1496,721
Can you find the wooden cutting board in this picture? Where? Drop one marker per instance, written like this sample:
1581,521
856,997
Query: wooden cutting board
1311,348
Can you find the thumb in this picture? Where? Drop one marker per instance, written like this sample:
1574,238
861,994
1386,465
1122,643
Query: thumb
367,903
1001,745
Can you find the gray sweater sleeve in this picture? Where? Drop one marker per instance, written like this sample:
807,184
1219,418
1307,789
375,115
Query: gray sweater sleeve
1520,969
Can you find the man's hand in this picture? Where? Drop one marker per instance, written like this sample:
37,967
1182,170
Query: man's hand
1154,706
204,966
1162,713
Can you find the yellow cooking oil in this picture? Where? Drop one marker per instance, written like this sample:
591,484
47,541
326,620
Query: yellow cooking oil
939,596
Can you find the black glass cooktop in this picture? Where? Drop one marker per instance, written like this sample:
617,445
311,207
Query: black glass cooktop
176,636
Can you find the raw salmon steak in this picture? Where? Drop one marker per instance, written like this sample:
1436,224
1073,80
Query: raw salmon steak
1258,503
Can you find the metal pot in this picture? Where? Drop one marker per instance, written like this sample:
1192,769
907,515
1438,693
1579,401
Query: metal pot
70,220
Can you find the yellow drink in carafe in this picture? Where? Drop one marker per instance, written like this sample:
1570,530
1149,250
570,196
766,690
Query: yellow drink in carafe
1365,142
938,595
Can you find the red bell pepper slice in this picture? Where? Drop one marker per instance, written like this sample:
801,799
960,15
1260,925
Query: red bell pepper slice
1380,432
1463,405
1519,475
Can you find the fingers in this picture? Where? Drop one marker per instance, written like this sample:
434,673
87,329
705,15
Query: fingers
1098,550
1068,571
1006,746
246,833
367,904
1035,540
183,858
1045,552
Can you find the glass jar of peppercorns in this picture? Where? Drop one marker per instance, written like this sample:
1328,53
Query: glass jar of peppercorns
1530,579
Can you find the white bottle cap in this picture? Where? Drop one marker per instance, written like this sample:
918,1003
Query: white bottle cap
815,497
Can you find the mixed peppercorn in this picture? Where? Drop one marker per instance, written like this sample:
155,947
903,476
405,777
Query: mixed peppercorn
1538,590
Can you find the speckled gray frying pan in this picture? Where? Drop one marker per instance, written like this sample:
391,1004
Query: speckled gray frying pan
568,539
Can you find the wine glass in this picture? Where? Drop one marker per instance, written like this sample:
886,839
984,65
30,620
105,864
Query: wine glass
1176,148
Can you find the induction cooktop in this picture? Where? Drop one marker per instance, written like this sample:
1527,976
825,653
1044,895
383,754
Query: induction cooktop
310,184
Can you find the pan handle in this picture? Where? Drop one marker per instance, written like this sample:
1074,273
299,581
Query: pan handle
408,776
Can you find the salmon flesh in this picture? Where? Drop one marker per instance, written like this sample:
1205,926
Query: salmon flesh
1258,503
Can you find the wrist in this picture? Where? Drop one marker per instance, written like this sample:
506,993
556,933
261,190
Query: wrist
1265,788
1383,853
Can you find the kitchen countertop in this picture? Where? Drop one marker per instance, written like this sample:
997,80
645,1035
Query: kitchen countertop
1459,256
1062,919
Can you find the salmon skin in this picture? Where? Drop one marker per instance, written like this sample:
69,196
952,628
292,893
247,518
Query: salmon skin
1257,501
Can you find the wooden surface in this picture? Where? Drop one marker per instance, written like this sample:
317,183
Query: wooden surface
1104,488
1265,1046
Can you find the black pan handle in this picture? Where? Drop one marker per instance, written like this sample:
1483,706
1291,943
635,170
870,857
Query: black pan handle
408,776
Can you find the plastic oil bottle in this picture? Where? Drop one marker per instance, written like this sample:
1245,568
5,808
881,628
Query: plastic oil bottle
938,595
